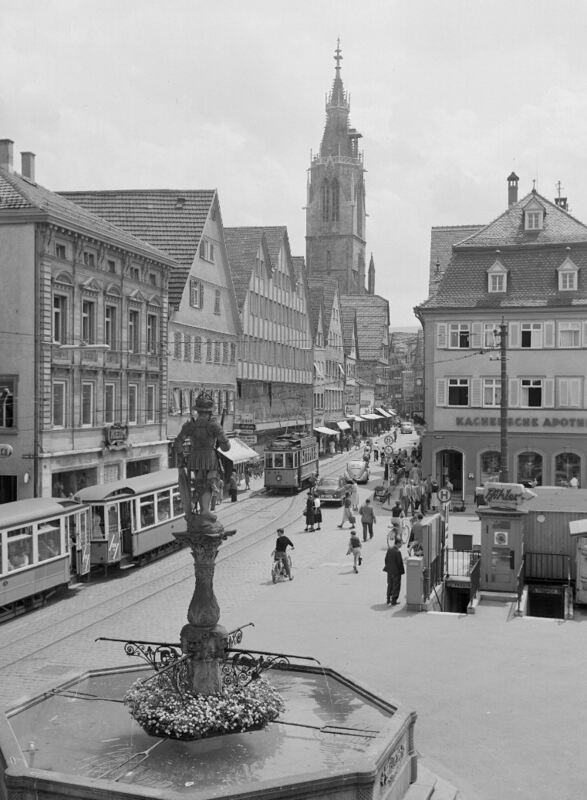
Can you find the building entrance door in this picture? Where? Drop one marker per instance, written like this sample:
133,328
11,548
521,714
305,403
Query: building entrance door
449,466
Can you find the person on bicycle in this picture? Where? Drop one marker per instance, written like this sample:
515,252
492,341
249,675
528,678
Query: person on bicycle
281,545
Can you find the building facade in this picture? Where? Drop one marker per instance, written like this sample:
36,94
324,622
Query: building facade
204,324
522,277
275,364
84,314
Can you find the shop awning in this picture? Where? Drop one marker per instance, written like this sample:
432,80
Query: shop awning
355,418
372,416
325,431
343,425
239,451
383,412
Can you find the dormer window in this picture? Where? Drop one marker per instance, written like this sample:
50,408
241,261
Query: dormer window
497,278
567,276
534,216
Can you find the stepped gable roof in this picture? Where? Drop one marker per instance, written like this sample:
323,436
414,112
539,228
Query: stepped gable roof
17,194
170,219
508,229
372,316
348,319
531,259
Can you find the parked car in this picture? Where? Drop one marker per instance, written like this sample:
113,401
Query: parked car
330,490
357,471
407,427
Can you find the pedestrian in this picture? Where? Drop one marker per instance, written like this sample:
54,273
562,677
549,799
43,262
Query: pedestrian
376,452
434,494
394,566
574,482
233,488
355,495
247,476
367,513
310,513
317,513
281,545
354,549
347,510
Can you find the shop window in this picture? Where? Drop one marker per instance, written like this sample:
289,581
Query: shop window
529,470
490,466
566,467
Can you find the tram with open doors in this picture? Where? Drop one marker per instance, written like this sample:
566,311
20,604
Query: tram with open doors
133,519
43,542
291,462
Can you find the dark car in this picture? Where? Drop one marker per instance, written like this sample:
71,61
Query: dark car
330,490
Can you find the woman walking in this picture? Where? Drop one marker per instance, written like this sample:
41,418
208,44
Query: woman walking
310,513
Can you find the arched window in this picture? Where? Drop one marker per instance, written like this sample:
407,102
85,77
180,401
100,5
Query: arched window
334,198
490,466
566,466
530,468
325,201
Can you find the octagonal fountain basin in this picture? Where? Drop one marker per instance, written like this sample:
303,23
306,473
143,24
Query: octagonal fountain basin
335,739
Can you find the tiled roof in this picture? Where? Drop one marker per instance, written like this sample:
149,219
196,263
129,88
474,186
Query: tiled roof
442,239
531,259
18,194
349,327
170,219
372,314
508,229
315,306
326,289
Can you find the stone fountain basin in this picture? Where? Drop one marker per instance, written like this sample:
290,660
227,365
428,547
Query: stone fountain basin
79,741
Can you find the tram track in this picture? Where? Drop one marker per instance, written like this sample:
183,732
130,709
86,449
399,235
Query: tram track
48,627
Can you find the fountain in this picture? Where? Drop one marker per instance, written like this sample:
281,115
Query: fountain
203,721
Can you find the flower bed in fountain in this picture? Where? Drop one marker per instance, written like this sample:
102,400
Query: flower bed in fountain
167,708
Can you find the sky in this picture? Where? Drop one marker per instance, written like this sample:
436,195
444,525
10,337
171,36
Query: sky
449,95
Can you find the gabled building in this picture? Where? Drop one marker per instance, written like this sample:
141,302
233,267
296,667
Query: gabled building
83,390
372,316
204,324
523,276
275,367
351,356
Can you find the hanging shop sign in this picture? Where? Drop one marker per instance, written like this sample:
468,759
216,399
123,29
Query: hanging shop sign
116,436
506,495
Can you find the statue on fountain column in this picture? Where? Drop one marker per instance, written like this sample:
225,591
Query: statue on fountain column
199,469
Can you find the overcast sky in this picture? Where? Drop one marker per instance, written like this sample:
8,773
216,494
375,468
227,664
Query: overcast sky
450,96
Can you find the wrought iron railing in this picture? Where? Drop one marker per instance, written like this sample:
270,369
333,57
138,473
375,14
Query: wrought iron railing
520,581
474,575
433,575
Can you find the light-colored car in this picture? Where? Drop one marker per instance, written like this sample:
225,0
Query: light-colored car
330,490
357,471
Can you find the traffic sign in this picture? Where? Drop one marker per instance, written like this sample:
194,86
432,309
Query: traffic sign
444,495
388,440
388,450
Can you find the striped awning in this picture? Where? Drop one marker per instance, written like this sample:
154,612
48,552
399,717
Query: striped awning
343,425
383,412
372,416
325,431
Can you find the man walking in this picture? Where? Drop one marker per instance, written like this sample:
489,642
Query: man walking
367,513
281,544
394,566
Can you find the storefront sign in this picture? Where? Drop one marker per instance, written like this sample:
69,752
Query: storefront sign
6,450
506,495
522,422
247,426
116,436
250,438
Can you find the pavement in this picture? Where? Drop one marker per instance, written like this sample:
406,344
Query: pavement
500,699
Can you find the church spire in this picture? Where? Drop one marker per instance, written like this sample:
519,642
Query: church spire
371,277
338,140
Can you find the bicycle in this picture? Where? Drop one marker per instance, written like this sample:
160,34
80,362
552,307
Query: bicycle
278,571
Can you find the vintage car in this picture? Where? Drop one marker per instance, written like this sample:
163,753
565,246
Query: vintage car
330,490
357,471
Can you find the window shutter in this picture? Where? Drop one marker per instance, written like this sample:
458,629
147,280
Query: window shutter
563,392
441,335
575,392
476,389
513,334
548,400
585,334
440,392
477,335
549,333
514,393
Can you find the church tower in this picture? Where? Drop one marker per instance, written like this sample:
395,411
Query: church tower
335,210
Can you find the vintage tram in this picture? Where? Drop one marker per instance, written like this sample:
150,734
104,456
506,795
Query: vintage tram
291,462
134,518
43,541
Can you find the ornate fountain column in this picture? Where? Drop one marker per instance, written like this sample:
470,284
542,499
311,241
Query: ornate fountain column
203,639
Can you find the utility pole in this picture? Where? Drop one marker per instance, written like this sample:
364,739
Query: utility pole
503,430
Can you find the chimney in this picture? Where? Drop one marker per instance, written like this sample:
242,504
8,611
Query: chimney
28,166
6,146
512,188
